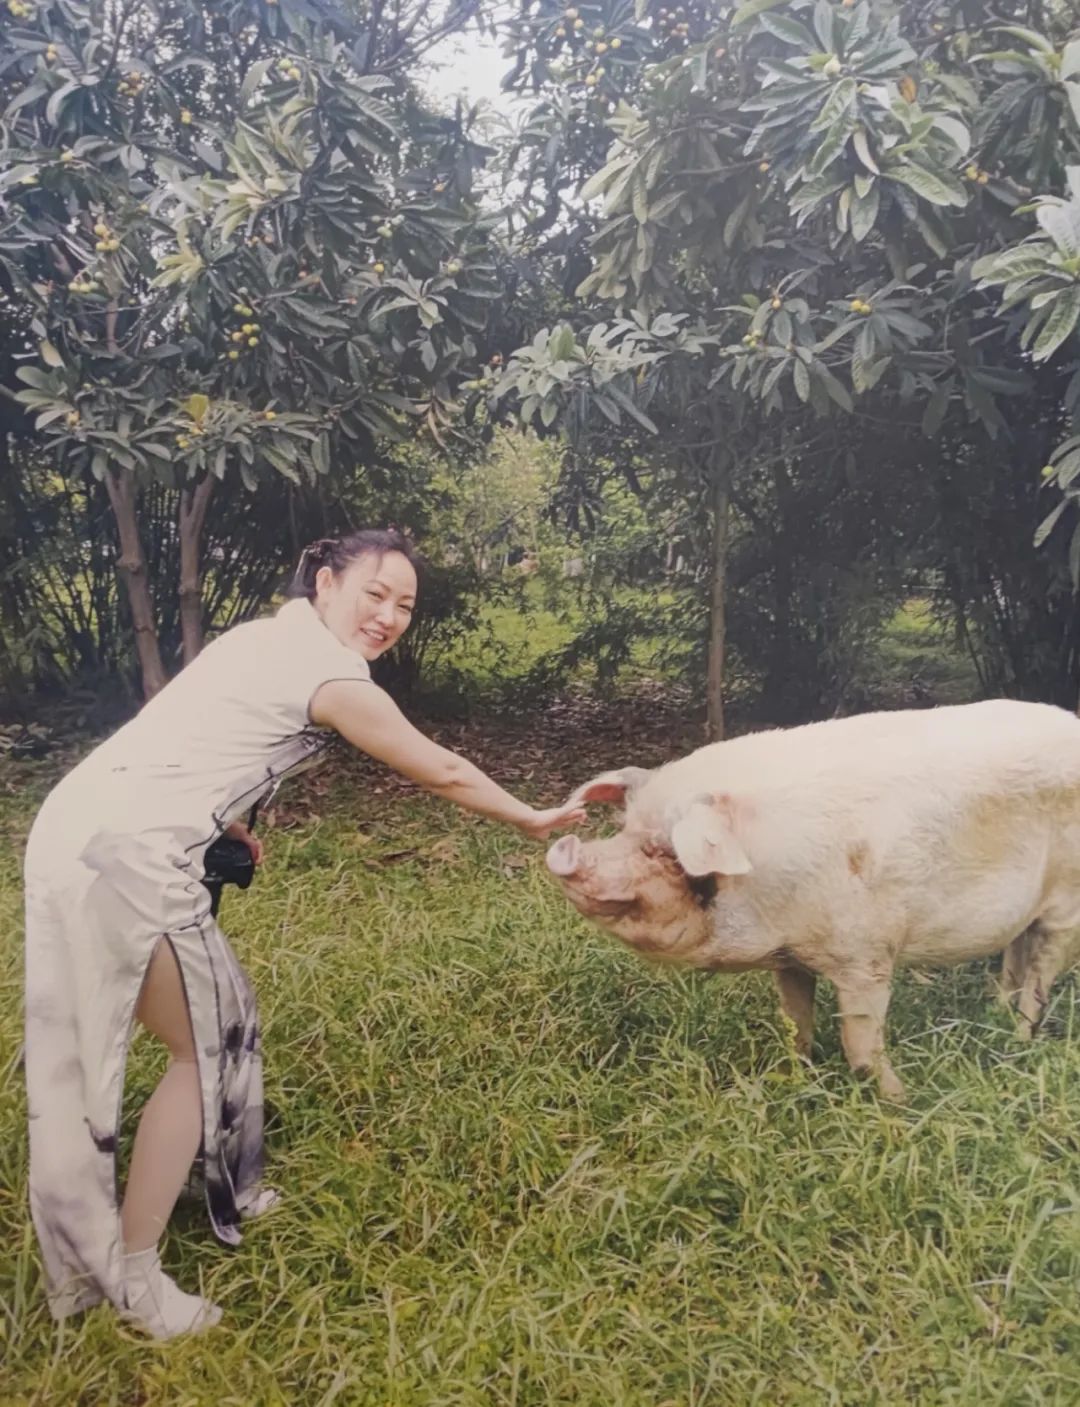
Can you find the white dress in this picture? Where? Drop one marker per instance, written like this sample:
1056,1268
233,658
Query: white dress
113,863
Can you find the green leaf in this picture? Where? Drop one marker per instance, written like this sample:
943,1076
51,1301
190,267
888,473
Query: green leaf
864,213
1059,325
49,355
836,390
563,344
830,147
801,379
1050,522
1067,467
865,373
937,189
254,76
1029,36
955,130
814,192
929,226
1062,223
55,106
1073,91
631,409
837,103
197,407
745,13
825,26
30,94
33,376
600,180
1020,263
789,28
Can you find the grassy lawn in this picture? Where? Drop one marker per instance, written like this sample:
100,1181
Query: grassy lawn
510,642
521,1167
912,650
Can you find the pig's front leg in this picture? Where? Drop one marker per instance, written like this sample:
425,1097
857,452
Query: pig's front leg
796,990
863,999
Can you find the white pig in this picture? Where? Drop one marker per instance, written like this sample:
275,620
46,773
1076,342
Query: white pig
845,848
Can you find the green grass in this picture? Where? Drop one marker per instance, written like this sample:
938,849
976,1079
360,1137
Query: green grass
510,642
522,1167
914,650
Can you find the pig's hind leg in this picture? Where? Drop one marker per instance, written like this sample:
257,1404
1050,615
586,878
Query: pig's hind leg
795,987
1014,961
1048,952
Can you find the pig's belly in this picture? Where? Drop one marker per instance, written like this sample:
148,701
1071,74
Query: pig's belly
973,920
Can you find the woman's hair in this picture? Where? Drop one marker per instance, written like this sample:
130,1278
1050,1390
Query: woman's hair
338,553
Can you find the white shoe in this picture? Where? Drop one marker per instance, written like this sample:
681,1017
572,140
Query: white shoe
157,1305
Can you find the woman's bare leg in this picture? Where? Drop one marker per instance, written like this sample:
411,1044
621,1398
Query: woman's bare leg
166,1142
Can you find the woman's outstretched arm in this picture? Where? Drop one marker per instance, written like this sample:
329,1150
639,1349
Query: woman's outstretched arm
367,717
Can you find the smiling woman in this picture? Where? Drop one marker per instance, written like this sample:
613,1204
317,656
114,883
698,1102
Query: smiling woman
363,587
119,927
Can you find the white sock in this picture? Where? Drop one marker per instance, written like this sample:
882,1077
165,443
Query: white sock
157,1304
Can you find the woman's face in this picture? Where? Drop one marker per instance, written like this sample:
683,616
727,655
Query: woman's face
370,604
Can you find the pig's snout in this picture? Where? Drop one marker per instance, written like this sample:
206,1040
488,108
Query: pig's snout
564,857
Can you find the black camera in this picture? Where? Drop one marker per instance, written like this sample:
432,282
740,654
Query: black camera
227,861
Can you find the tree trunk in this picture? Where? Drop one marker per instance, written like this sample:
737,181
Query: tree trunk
778,681
131,566
721,513
194,499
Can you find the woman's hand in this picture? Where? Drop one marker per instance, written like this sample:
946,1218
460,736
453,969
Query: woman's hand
541,823
238,831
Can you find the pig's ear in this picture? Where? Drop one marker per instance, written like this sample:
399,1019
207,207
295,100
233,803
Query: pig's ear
705,842
610,788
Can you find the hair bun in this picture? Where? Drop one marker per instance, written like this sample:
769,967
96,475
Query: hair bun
319,550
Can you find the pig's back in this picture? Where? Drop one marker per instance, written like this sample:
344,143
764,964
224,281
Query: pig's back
889,773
